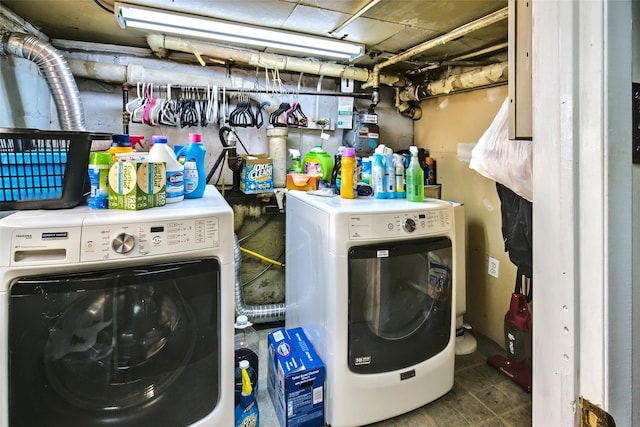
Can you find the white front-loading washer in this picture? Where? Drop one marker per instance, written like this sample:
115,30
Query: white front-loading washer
119,318
377,286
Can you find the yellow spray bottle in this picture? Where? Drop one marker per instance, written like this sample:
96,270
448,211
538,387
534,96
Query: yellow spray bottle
247,413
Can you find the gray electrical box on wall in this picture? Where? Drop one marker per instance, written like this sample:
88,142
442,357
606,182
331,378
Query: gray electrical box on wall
520,106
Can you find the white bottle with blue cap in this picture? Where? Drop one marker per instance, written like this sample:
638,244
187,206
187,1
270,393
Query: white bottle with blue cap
161,152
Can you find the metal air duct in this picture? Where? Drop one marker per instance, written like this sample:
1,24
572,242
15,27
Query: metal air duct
256,313
56,72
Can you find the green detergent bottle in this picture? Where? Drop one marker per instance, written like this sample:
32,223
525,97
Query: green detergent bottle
319,163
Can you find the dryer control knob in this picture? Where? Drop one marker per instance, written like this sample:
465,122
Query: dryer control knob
123,243
408,225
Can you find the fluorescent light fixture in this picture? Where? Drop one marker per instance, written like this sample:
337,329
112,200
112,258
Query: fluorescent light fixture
213,29
355,16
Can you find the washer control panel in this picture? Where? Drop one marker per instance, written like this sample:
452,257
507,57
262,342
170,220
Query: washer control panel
109,241
400,224
113,241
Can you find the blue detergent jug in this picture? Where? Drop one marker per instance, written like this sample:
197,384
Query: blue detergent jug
192,157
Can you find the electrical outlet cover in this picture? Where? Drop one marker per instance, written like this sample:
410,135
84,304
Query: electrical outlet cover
494,267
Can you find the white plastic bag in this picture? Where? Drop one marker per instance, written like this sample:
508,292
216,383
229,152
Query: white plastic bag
506,161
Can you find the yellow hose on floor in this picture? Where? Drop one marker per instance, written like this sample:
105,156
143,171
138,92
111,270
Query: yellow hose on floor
262,257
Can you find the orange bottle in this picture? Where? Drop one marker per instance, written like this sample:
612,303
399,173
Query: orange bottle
348,174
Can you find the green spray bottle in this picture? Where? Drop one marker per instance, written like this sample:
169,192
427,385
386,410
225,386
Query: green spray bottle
415,178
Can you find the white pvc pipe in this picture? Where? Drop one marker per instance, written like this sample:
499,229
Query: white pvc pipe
114,73
159,43
484,76
438,41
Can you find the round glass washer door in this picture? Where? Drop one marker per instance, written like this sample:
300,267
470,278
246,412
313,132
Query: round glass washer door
397,307
119,347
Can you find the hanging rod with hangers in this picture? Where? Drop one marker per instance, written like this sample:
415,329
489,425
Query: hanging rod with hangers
191,94
127,86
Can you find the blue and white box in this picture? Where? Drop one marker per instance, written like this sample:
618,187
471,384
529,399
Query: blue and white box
296,379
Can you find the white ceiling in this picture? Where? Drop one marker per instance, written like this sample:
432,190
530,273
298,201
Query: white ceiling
388,28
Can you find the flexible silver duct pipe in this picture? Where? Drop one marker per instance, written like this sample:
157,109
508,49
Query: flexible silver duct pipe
56,73
256,313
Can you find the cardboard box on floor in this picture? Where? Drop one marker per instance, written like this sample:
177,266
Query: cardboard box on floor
295,379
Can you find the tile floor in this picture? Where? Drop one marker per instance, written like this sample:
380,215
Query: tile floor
481,396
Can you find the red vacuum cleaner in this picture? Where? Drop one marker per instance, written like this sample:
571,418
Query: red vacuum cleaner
517,214
516,335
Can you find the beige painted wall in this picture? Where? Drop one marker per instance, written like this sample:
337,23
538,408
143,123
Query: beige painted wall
462,118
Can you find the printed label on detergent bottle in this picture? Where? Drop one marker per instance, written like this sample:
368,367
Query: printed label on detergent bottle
190,177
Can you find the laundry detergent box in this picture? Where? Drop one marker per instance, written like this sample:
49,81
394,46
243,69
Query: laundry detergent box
295,379
137,185
301,182
256,175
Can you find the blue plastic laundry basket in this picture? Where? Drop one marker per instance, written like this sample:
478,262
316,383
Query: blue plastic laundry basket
43,169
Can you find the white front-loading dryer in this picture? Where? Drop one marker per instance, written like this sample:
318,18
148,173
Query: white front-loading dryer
119,318
377,285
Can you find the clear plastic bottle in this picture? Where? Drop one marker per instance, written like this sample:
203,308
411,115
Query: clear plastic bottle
247,344
415,177
161,152
398,163
348,173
